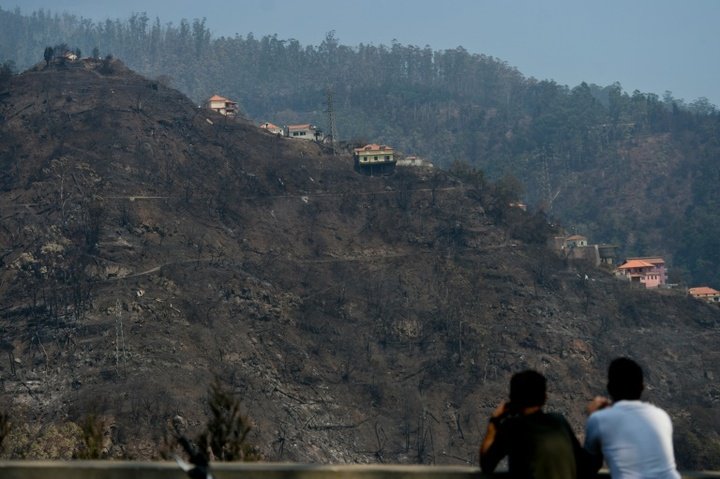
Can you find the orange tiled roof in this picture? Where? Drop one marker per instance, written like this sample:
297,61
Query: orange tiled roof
217,98
305,126
373,147
636,263
649,259
269,126
702,291
576,237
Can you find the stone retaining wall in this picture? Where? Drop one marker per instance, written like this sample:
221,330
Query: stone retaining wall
170,470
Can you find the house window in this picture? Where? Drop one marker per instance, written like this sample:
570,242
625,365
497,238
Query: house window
387,157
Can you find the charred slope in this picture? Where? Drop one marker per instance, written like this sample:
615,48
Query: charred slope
148,246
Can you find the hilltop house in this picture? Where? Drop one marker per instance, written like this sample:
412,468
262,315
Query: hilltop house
272,128
566,243
374,158
650,272
576,248
576,241
705,293
374,154
304,132
222,105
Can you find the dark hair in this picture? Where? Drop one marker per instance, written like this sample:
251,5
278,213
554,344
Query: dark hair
625,379
527,389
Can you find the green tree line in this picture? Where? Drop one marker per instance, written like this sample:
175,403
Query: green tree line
447,106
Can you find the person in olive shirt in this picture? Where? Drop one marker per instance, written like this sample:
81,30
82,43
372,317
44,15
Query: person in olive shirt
538,445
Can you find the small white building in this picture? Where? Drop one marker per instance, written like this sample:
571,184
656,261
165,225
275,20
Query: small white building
576,241
305,131
414,161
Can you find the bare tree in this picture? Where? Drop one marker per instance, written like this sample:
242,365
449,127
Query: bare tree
48,55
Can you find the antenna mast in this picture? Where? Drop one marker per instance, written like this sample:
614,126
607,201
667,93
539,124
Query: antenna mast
331,119
546,182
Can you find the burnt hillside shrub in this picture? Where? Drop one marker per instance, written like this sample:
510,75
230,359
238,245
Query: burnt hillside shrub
531,229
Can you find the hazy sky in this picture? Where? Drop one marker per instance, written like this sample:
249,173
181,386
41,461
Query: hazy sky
649,45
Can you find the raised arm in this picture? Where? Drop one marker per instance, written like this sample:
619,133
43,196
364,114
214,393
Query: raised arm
492,450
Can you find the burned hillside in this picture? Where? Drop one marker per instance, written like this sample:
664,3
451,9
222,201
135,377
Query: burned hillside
149,246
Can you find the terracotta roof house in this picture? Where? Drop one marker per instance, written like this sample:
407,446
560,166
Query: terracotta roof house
305,131
650,272
659,265
562,243
374,159
222,105
272,128
374,154
705,293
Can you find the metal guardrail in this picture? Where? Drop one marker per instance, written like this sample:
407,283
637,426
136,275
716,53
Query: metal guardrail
170,470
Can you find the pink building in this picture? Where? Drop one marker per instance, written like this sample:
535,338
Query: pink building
650,272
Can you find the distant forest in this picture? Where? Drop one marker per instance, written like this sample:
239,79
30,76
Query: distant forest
633,169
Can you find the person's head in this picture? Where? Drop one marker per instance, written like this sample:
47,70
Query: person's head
527,389
625,379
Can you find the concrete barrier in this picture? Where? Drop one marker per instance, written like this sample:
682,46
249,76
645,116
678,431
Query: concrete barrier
170,470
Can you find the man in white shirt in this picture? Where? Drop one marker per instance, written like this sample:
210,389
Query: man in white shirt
633,436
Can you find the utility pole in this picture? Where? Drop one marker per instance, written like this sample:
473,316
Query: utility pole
331,119
541,162
546,182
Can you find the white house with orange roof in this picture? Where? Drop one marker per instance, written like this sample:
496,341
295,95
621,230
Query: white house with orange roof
222,105
705,293
649,271
272,128
374,154
566,243
305,131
